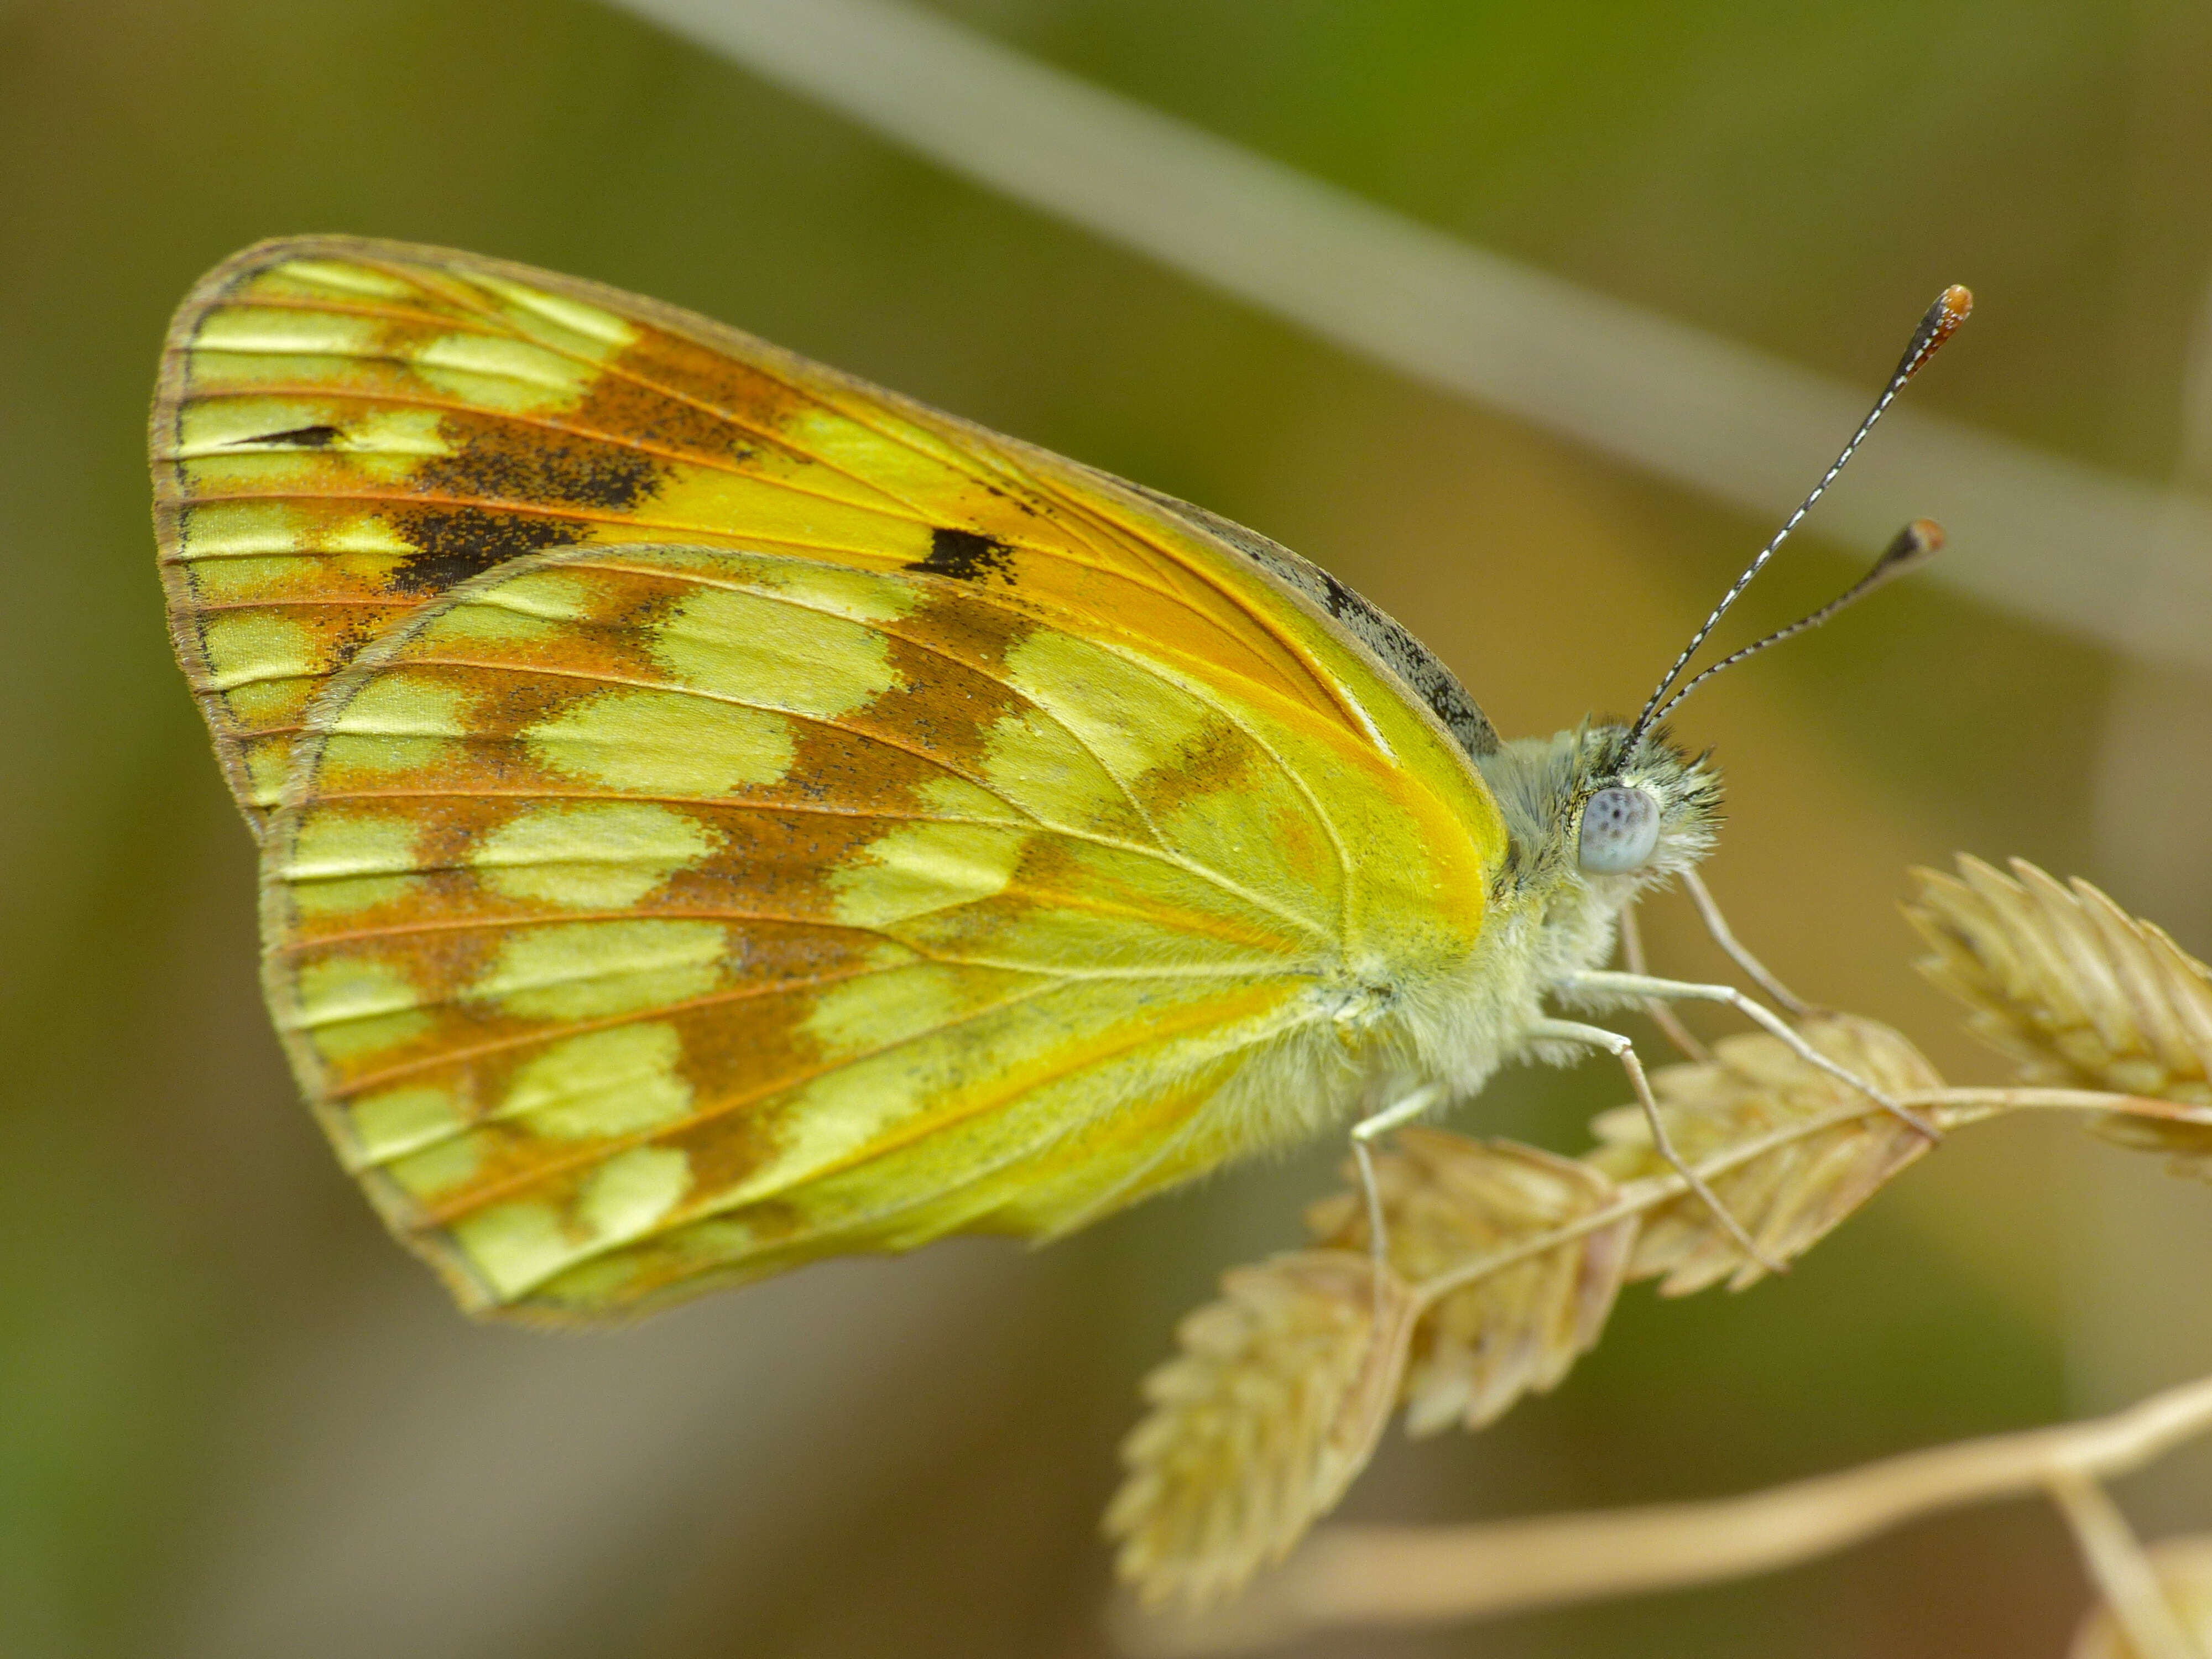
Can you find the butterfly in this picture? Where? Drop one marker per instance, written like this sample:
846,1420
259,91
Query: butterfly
716,813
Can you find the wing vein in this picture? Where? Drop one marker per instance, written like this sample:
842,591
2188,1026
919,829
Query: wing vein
975,1176
300,946
325,392
1166,855
557,1166
884,1146
378,1078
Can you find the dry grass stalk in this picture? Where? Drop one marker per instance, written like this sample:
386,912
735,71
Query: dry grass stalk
2120,1568
1234,1461
2077,992
1506,1260
1275,1402
1505,1263
1404,1577
2183,1571
1448,1200
1792,1196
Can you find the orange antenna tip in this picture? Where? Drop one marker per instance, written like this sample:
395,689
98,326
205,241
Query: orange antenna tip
1951,308
1916,542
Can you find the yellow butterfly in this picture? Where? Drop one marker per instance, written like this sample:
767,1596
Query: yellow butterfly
716,813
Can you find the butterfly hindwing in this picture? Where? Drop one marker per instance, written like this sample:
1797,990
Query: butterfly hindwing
647,913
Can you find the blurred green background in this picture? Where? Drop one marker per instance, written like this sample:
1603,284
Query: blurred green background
235,1422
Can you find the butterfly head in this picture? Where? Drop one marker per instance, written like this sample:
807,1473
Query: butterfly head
1596,815
1644,809
1603,811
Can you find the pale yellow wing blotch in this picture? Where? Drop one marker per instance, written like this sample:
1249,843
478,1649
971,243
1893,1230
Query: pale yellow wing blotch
642,917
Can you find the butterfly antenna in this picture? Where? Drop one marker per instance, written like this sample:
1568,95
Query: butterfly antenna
1951,309
1912,546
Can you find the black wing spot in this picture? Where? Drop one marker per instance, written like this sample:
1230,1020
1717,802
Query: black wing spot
500,462
453,543
298,437
967,555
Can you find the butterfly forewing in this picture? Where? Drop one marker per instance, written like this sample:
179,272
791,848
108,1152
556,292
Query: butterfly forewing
346,429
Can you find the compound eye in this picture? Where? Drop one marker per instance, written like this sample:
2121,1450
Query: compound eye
1619,829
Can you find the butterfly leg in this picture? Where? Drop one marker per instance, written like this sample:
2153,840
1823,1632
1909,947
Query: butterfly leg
1724,936
1631,952
1363,1136
1675,990
1623,1050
